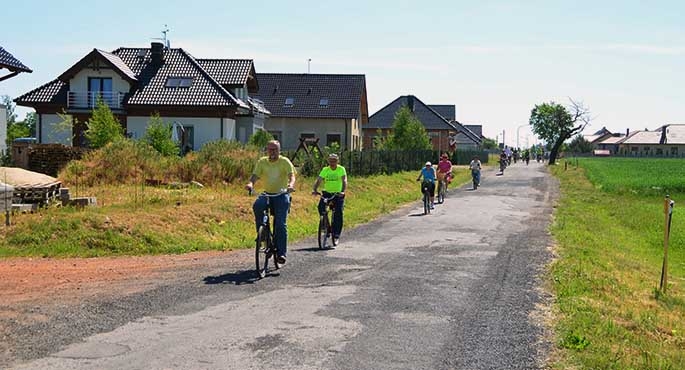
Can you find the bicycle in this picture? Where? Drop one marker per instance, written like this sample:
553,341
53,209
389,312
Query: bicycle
425,186
265,246
442,189
475,177
325,226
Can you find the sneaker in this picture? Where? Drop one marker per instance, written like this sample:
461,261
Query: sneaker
432,206
280,260
336,239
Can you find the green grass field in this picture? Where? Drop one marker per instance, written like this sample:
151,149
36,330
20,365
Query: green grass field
609,227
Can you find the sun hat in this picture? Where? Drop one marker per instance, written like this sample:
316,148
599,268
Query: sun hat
332,156
428,164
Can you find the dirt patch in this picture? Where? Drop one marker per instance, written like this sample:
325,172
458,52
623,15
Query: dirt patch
46,279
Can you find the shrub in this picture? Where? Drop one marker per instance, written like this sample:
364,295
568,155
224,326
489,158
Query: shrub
103,127
159,136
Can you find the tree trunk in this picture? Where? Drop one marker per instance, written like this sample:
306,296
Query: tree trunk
555,150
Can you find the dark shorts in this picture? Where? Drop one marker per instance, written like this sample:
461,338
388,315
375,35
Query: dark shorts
431,187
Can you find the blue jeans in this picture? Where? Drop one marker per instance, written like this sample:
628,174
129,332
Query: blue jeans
280,207
476,175
337,223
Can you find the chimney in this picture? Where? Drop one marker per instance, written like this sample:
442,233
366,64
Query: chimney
410,102
627,132
157,52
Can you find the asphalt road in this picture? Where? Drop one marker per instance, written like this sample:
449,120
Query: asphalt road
457,289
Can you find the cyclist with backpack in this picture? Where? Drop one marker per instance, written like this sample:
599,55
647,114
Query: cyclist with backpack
334,177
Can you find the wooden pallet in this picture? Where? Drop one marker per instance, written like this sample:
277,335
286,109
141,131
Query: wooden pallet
42,195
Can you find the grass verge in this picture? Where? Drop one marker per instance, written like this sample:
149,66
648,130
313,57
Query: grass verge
609,311
137,219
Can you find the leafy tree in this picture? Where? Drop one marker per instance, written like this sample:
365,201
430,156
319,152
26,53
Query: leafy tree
489,143
158,135
380,142
580,145
408,132
9,104
103,127
260,138
554,124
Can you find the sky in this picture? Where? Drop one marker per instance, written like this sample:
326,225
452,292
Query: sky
493,60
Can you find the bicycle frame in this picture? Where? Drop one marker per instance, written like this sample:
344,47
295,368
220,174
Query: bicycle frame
265,245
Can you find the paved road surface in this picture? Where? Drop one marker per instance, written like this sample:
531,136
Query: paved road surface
457,289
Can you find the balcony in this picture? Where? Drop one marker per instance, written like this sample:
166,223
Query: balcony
88,99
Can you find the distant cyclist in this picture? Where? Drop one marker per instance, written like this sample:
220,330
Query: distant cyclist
334,177
475,167
428,174
279,177
445,169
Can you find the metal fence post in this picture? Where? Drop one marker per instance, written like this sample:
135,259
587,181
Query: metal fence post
668,213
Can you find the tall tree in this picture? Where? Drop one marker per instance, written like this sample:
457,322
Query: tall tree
489,143
555,124
408,132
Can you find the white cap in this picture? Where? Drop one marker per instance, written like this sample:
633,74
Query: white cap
428,164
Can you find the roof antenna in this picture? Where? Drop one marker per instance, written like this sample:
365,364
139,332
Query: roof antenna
164,39
309,62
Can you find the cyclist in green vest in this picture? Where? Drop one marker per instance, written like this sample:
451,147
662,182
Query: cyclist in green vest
334,177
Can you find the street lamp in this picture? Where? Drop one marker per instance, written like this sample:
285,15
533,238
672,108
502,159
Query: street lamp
517,134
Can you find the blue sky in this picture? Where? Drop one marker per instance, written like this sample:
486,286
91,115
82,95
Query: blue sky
494,60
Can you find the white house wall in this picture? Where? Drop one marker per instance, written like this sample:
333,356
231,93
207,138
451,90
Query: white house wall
3,129
53,131
79,82
291,128
204,129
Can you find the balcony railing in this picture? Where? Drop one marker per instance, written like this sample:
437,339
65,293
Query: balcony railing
88,99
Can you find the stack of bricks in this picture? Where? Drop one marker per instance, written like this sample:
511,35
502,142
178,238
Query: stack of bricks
50,158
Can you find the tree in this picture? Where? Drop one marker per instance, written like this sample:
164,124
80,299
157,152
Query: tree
260,138
9,104
158,135
103,127
554,124
408,132
580,145
489,143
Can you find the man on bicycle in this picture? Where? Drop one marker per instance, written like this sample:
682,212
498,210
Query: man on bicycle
445,170
334,177
279,175
428,174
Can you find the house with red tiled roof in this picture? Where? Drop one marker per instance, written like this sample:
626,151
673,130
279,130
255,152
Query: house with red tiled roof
204,99
329,107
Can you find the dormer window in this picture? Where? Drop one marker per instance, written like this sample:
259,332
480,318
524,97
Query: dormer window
179,82
323,103
289,102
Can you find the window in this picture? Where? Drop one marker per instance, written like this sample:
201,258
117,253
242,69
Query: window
100,88
323,103
179,82
276,134
289,102
307,135
333,138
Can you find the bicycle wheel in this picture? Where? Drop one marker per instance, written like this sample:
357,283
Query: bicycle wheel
260,252
426,204
273,254
323,231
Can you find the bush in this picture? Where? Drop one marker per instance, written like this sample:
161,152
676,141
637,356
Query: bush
159,136
260,139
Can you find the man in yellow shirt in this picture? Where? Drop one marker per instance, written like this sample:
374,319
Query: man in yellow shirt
334,177
278,174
